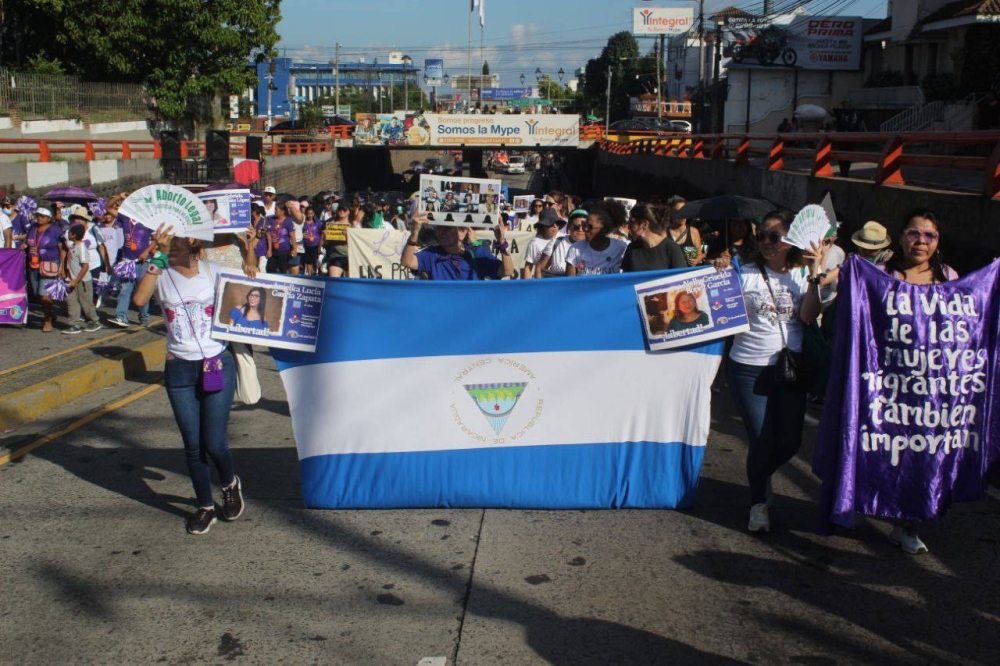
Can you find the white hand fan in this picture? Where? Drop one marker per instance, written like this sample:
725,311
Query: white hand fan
810,226
173,206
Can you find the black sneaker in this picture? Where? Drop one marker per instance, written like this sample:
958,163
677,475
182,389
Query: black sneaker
72,330
232,501
201,521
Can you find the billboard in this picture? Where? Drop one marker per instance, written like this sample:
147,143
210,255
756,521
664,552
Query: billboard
525,130
507,93
669,21
452,131
806,42
434,71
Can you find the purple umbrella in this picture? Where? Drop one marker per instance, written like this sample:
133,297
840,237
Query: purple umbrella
71,194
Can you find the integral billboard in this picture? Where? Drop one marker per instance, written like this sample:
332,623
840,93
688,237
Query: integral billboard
453,131
807,42
654,21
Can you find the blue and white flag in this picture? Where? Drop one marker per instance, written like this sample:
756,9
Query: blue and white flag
526,394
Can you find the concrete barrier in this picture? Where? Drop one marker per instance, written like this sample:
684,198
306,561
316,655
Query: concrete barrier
32,402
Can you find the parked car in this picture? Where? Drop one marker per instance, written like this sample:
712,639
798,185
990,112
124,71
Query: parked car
515,164
628,126
681,126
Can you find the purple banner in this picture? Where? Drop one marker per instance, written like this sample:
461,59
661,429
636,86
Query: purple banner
13,288
912,417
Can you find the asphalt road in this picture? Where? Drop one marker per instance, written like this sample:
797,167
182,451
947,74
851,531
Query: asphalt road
97,567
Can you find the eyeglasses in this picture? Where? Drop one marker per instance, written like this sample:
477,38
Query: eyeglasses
768,237
916,235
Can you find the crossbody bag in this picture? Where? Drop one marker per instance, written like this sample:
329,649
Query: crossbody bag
213,379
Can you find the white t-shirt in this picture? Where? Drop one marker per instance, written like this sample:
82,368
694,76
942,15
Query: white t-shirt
589,261
78,256
188,304
534,252
5,224
93,240
557,249
760,345
834,258
114,240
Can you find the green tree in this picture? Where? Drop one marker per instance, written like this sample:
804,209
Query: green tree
180,49
549,89
621,54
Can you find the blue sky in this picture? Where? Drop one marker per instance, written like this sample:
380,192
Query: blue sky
520,35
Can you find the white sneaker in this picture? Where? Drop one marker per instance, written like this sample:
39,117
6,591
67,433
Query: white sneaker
760,519
907,540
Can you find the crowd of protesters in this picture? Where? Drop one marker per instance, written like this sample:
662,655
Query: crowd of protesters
790,294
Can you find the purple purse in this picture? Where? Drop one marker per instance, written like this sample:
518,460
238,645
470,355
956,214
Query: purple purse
213,378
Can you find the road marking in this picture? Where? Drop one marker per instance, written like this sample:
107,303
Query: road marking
433,661
71,350
79,423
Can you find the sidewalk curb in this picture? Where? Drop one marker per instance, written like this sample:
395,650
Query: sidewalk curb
31,402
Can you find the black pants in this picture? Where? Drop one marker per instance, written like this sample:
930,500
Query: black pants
277,263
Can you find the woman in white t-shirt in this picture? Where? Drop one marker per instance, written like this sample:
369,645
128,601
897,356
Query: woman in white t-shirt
598,253
185,287
781,291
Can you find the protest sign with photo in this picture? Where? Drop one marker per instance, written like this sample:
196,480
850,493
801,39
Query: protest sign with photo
691,306
271,310
452,201
13,288
391,129
230,209
172,206
522,203
376,253
911,416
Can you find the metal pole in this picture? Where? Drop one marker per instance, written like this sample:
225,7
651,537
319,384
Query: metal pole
746,126
607,101
270,84
701,66
468,102
659,80
717,111
406,93
336,84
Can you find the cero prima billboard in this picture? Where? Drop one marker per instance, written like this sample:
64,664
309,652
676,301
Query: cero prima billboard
667,21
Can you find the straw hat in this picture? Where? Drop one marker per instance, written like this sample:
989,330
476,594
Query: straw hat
872,236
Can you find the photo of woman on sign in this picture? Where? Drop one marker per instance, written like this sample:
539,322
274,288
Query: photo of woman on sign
250,308
251,313
686,314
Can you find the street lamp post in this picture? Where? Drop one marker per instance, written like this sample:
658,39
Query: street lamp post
716,99
522,79
561,74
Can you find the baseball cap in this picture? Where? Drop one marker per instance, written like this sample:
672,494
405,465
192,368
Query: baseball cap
579,212
43,211
270,190
548,217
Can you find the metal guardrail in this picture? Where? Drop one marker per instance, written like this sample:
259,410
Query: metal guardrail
888,151
46,150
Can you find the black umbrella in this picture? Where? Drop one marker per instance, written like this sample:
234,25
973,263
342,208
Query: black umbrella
725,207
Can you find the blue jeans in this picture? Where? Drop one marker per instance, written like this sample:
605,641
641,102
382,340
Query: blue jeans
773,418
203,419
125,296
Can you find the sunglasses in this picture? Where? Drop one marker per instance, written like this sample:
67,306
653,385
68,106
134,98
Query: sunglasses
575,227
593,227
549,205
915,236
768,237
